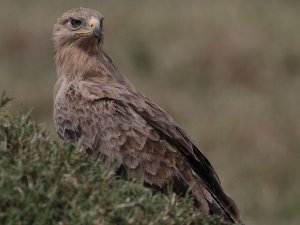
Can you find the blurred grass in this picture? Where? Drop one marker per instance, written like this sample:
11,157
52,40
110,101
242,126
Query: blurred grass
228,71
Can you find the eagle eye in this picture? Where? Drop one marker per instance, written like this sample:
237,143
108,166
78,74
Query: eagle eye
75,23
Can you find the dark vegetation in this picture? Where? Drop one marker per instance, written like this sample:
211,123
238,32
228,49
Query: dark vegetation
45,182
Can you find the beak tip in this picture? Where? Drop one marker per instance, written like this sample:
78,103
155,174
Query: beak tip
97,33
95,28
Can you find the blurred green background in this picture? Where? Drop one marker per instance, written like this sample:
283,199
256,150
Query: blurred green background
228,71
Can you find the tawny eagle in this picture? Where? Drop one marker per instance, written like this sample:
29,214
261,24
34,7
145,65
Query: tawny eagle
95,102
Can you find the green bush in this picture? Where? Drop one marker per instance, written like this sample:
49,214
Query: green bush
43,181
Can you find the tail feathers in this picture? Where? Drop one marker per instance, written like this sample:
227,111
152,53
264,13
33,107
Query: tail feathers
230,207
216,203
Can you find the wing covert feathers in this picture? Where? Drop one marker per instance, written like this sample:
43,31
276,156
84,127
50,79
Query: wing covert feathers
124,125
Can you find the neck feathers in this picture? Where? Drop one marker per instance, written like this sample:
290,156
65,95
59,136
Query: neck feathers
74,59
86,61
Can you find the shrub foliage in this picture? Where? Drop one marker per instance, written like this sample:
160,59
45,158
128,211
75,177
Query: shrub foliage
43,181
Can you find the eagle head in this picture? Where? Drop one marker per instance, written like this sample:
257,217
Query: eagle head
80,26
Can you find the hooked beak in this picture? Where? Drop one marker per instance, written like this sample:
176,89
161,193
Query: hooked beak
95,28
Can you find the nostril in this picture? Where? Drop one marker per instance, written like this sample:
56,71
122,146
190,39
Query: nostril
92,25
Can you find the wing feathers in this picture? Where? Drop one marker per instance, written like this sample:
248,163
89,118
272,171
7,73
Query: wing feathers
146,140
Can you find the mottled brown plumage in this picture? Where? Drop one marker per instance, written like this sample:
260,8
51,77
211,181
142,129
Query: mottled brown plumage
94,102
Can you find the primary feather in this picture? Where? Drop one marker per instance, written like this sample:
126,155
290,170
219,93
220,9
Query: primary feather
94,102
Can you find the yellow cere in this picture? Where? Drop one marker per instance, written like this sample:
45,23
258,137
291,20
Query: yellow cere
93,22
